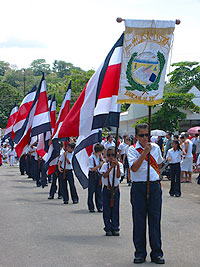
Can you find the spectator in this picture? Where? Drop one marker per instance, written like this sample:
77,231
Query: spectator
168,142
186,166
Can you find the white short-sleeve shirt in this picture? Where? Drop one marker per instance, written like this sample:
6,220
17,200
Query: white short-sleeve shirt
122,147
175,155
141,174
104,169
108,144
69,157
91,160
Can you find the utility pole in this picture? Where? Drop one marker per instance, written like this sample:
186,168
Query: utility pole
24,82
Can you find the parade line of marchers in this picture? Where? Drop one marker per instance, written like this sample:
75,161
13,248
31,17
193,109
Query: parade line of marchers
138,67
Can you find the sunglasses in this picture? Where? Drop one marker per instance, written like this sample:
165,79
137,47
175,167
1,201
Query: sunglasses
143,135
109,155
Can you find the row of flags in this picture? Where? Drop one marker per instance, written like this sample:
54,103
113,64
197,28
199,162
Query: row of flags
94,109
133,72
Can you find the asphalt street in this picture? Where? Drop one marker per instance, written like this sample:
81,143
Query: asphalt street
37,232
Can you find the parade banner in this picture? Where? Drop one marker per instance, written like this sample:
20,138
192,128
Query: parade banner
146,48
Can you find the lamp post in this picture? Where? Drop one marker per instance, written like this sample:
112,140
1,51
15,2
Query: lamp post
24,82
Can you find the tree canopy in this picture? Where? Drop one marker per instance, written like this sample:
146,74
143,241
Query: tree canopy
57,80
185,75
169,114
9,95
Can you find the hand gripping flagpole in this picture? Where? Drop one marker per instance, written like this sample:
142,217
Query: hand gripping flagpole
177,22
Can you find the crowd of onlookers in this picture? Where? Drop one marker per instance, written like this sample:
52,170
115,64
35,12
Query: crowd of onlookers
7,154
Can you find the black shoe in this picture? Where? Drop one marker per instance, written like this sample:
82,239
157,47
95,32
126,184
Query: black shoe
109,233
100,210
158,260
50,197
139,260
115,233
65,202
177,195
75,202
92,211
171,195
59,197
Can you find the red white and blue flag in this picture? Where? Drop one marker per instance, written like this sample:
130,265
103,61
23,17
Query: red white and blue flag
43,139
95,108
24,109
11,121
54,150
52,110
38,119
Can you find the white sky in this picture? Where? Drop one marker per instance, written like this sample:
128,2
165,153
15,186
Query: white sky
83,31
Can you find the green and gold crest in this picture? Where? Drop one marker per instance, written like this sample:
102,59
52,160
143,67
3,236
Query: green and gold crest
144,71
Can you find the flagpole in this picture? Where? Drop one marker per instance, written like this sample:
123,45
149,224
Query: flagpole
112,191
148,166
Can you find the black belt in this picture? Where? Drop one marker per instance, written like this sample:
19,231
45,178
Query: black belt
151,182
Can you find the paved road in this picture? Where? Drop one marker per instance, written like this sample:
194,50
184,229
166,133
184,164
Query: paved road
37,232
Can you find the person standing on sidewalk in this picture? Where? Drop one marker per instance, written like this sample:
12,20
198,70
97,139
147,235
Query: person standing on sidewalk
186,166
141,206
174,156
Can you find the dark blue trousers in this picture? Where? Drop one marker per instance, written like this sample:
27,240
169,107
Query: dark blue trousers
32,169
36,176
110,215
95,187
64,187
28,165
175,174
22,164
54,186
141,210
43,174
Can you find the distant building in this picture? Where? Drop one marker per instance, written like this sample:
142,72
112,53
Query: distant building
137,112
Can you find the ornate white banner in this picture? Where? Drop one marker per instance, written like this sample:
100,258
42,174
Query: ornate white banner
146,49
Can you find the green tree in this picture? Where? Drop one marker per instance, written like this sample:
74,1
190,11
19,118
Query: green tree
39,66
185,75
169,114
4,67
62,68
9,95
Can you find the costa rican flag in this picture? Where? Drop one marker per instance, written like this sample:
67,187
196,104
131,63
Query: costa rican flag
24,109
11,121
54,150
41,120
52,110
49,101
95,108
43,139
38,119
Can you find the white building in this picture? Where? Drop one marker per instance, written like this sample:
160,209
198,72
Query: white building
137,112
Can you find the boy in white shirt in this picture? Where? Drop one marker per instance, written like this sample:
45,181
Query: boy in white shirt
111,214
66,175
95,186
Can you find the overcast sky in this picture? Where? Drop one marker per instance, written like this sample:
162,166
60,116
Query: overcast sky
83,31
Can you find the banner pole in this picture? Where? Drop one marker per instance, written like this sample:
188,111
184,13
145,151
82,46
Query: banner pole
112,192
148,166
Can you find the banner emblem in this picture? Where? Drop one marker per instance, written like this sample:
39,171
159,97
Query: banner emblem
144,61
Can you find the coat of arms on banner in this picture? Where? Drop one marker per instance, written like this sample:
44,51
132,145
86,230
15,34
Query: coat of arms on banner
144,61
